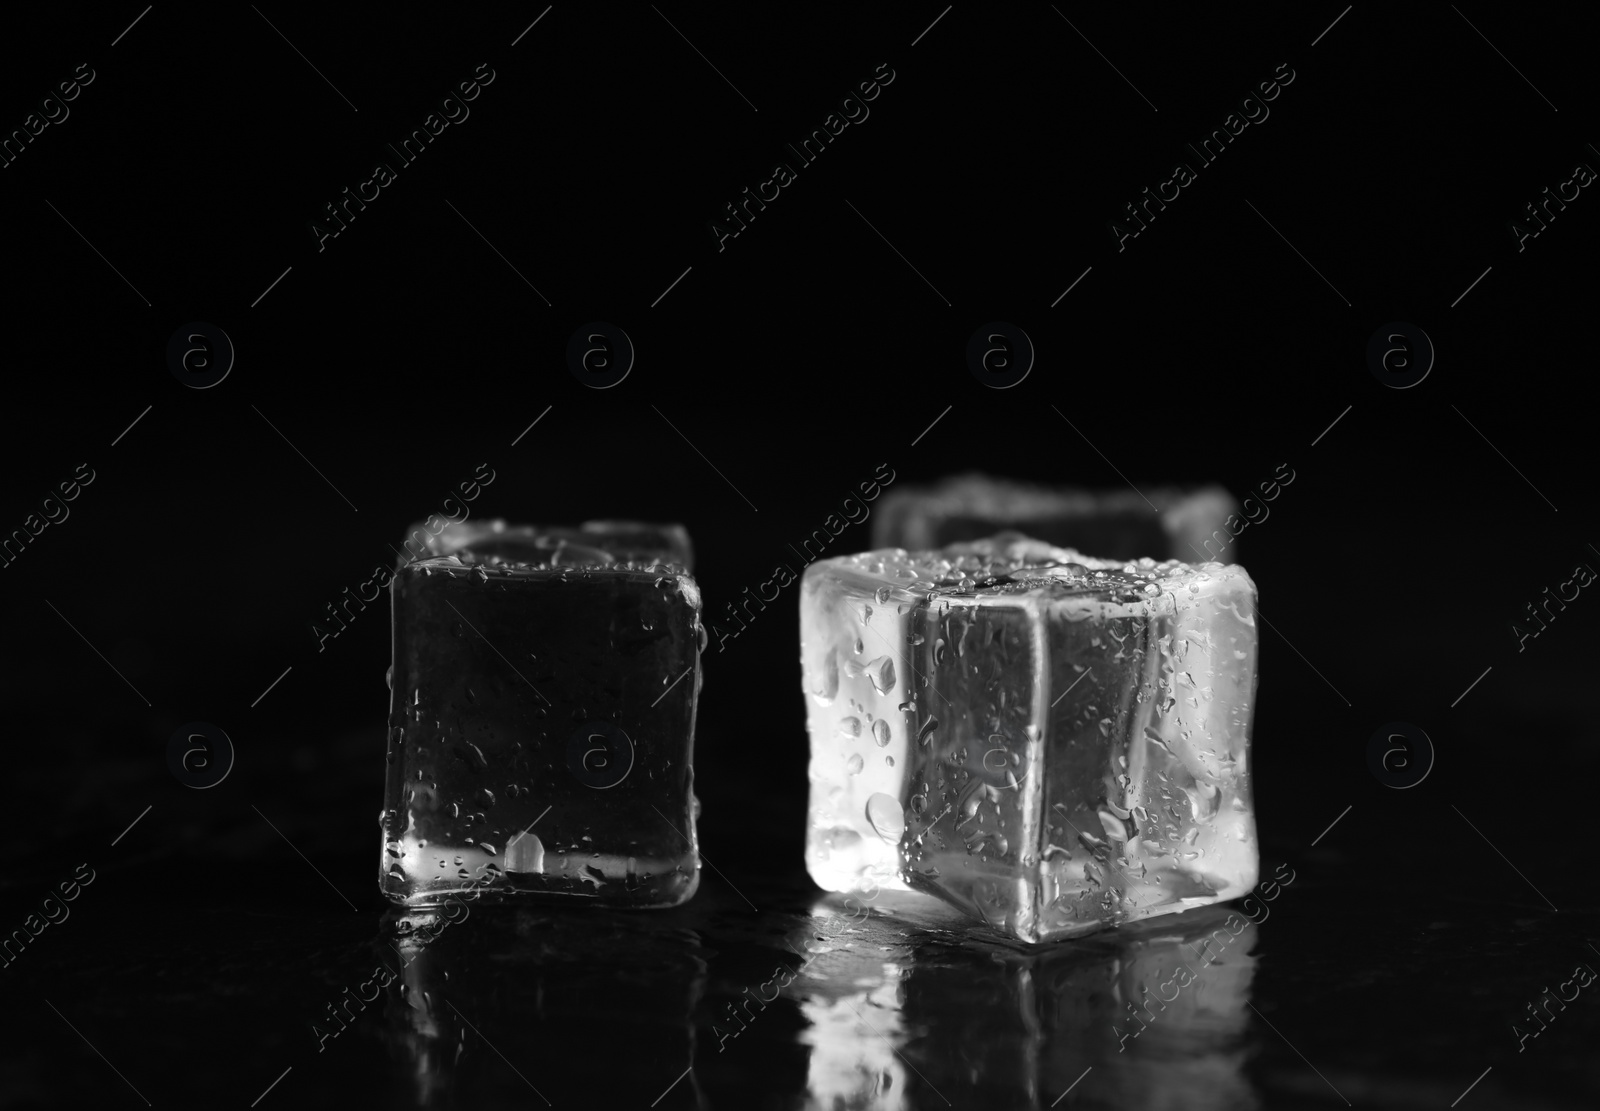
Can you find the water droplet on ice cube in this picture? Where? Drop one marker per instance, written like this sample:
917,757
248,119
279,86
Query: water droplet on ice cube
1115,830
826,687
886,816
881,671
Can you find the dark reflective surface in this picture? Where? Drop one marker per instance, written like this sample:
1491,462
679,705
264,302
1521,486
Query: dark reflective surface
773,995
513,1003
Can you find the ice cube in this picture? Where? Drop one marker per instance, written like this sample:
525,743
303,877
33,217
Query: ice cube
1119,524
1068,737
628,540
542,716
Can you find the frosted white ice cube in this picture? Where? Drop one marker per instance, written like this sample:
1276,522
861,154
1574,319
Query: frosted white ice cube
1051,741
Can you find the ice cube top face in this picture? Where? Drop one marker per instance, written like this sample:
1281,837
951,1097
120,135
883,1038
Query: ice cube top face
1052,742
1117,525
622,540
541,720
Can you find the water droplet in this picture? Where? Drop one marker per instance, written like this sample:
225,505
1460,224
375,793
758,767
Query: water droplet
925,734
853,765
881,672
1091,842
883,595
826,684
988,841
1204,801
1115,830
839,839
886,817
880,732
850,727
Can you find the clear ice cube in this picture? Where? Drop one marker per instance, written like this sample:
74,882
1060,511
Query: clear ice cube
622,540
1118,524
1053,742
542,712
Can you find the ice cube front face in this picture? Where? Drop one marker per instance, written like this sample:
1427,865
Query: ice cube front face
1116,525
1052,742
541,726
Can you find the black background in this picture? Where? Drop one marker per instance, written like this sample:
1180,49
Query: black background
774,376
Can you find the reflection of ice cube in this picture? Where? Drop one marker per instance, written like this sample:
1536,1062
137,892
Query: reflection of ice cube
1115,524
573,974
543,677
900,1015
851,1041
1068,737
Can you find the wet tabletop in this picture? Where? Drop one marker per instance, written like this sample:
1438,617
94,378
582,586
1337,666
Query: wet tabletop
200,963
